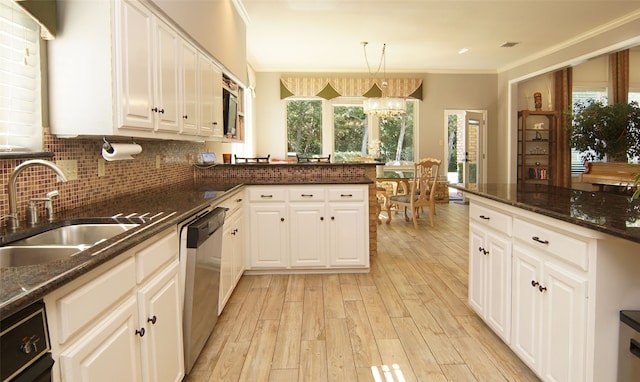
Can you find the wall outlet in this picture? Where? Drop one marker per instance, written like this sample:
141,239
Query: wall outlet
69,168
158,162
101,165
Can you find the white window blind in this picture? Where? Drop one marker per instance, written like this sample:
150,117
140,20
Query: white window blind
20,82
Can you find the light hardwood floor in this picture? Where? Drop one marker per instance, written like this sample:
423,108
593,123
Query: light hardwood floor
406,320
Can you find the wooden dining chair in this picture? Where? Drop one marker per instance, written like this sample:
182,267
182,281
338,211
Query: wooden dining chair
252,160
314,159
421,193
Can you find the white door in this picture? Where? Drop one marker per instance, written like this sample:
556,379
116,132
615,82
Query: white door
189,62
109,352
162,356
135,67
477,272
498,284
166,95
308,238
565,315
472,170
348,240
526,320
269,235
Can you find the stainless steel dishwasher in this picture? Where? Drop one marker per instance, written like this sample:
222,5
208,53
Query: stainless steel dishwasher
202,241
629,347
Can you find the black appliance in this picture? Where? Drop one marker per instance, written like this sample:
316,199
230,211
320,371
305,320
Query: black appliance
229,112
25,348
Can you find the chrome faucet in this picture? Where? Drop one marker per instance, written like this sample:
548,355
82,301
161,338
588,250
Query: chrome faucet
12,217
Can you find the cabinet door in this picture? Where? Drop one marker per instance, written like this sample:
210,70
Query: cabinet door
210,94
565,315
135,67
477,264
189,66
348,234
498,284
162,343
307,233
166,100
239,247
526,319
226,261
109,352
269,246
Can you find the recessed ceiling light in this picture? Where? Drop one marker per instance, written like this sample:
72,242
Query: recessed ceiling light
463,50
509,44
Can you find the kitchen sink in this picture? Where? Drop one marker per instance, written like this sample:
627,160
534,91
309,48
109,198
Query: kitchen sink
18,256
73,235
58,243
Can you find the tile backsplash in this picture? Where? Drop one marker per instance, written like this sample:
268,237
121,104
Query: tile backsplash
120,177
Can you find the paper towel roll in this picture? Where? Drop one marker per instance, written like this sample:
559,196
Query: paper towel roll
121,151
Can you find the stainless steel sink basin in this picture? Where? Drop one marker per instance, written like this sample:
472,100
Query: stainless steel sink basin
58,243
73,235
15,256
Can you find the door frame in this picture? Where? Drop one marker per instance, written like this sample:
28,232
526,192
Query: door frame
482,144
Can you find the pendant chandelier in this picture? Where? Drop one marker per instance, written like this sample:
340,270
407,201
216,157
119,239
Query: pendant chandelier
382,107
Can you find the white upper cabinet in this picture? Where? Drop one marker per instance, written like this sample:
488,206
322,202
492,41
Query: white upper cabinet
189,87
117,69
210,98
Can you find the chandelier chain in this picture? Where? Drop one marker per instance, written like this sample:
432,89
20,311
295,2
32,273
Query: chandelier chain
382,59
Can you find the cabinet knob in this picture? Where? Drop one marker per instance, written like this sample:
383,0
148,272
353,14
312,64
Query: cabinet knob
155,109
281,219
541,288
333,218
152,320
534,283
185,116
485,217
346,195
321,218
214,123
140,332
161,111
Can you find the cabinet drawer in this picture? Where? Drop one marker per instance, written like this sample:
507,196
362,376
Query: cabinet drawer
233,202
150,259
266,194
306,194
84,305
347,194
489,217
569,249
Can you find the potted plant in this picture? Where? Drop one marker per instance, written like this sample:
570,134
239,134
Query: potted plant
609,132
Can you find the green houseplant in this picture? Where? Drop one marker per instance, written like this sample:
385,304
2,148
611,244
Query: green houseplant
609,132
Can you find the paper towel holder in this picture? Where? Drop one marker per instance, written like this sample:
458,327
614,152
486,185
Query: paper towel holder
107,146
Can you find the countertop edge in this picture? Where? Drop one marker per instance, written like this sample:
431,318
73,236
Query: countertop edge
582,223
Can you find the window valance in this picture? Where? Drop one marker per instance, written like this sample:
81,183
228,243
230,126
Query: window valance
332,87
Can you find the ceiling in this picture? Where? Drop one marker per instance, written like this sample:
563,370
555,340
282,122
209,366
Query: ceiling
421,35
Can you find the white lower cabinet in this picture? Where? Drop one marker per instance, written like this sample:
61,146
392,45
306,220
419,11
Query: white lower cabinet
121,322
233,244
558,286
549,315
490,277
309,227
109,352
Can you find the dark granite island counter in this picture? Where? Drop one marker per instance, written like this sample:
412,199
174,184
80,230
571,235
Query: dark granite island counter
549,271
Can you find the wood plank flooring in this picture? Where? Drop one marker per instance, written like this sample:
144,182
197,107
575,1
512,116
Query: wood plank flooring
406,320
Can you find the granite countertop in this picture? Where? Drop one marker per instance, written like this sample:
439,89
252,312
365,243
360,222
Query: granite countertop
160,208
610,213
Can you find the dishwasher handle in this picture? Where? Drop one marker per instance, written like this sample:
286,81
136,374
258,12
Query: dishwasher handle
206,225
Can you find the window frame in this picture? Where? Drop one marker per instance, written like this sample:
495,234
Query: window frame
328,126
22,117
